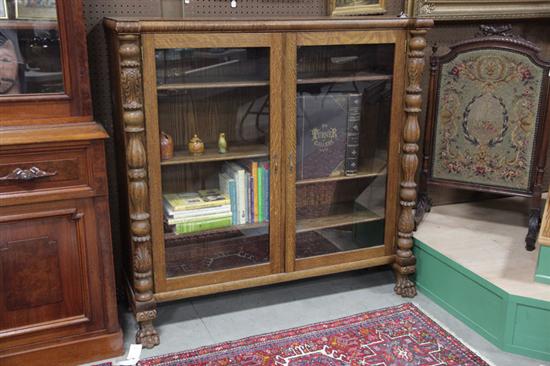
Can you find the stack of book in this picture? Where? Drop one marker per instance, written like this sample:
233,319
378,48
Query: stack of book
246,182
197,211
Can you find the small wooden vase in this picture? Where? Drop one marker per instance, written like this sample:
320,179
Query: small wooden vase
166,146
196,146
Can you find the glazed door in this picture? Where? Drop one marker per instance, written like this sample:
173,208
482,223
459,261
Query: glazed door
215,195
344,108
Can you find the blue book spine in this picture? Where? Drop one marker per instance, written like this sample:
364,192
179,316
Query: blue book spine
266,191
251,199
233,198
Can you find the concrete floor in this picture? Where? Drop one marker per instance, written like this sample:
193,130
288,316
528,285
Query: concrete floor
212,319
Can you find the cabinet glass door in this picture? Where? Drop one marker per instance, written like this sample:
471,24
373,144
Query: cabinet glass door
30,48
343,120
216,174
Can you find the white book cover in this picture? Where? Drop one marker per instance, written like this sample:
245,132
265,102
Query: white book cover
198,212
238,173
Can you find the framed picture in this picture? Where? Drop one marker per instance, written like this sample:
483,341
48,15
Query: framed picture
36,9
3,10
355,7
478,9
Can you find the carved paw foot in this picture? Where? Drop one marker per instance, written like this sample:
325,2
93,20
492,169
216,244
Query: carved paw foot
147,335
405,287
533,232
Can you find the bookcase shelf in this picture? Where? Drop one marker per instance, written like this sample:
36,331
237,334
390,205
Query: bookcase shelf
336,220
213,85
211,154
29,24
342,79
232,228
377,170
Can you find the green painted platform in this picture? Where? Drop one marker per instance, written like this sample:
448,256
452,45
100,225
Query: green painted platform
543,266
513,323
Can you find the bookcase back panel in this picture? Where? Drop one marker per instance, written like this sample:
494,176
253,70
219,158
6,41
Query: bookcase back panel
342,134
214,119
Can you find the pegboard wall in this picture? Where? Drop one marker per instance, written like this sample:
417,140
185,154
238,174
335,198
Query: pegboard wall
251,8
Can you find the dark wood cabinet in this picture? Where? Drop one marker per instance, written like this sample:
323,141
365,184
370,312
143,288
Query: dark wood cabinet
57,293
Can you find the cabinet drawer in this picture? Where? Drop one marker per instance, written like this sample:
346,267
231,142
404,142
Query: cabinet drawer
35,171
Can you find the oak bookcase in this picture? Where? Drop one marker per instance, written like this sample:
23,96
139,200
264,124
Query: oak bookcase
282,91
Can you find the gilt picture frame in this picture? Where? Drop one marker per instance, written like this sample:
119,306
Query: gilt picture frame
478,9
355,7
3,9
36,9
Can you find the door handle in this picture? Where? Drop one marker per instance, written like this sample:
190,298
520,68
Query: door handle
26,175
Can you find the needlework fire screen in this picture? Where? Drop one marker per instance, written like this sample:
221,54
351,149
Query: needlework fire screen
487,118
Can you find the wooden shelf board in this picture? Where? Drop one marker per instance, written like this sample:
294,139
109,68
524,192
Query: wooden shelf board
360,175
28,24
172,236
340,219
211,154
343,79
212,85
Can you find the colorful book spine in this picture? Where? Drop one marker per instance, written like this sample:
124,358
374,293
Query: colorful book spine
266,191
250,198
191,227
255,185
351,165
238,173
260,190
228,186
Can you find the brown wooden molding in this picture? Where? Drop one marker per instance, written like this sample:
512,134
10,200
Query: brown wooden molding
133,120
128,25
405,263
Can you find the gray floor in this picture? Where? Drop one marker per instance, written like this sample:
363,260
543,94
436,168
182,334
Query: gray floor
212,319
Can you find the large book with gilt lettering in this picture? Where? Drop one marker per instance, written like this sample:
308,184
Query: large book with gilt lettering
327,134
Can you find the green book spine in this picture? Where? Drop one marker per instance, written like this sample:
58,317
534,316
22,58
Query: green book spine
260,194
192,227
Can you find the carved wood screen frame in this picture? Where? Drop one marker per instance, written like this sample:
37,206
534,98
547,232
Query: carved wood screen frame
478,9
495,40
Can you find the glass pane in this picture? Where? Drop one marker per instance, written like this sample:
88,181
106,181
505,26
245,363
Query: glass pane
213,107
343,120
30,54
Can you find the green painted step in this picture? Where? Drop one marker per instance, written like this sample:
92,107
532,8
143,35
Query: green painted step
513,323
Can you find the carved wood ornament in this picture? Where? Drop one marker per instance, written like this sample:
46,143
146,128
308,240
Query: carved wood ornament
405,262
133,120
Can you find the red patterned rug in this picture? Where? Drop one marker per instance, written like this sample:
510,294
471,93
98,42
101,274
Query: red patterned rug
396,336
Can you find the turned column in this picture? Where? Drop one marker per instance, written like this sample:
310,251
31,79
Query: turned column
405,262
144,305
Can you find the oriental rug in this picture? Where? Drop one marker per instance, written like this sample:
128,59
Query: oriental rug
396,336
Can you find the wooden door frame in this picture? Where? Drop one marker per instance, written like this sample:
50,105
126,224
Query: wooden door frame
369,37
150,42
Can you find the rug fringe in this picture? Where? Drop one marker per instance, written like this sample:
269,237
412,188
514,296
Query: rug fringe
435,319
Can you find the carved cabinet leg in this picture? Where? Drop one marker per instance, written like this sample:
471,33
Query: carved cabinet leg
534,227
133,120
147,335
405,262
423,205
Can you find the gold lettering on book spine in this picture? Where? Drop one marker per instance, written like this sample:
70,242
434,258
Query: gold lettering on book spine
138,192
405,262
